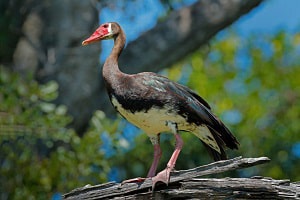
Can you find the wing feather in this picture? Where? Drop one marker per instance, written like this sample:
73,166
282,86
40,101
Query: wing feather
197,110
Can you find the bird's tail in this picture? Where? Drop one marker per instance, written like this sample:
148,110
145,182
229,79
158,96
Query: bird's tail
212,152
224,134
224,138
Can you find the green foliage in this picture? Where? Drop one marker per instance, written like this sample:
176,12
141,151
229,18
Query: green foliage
40,155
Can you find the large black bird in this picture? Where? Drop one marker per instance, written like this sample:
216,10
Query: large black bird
156,104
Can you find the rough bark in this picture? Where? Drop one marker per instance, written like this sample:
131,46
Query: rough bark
51,46
184,185
73,67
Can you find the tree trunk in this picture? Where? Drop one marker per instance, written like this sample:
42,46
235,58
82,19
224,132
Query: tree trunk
184,185
50,47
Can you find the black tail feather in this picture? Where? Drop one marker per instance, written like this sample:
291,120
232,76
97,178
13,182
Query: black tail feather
226,139
220,131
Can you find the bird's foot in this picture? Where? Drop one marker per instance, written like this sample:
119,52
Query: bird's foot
134,180
163,176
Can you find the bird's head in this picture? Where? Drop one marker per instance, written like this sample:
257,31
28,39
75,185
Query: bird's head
105,31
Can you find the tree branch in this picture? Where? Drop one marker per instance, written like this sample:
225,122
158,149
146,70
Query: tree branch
184,185
183,32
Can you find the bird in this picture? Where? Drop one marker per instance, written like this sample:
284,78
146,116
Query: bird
155,104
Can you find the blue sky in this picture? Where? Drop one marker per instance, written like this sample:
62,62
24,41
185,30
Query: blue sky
271,16
140,16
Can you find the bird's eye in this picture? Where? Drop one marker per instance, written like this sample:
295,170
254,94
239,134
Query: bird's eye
105,25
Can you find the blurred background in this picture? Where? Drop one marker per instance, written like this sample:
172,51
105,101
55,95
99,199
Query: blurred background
57,129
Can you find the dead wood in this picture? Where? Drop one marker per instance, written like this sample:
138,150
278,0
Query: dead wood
184,184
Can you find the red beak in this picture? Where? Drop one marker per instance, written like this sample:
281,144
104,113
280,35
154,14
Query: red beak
96,36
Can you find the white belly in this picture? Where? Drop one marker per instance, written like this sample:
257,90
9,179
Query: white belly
153,121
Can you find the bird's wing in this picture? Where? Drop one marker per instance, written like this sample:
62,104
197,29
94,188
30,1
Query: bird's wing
161,83
193,93
193,106
184,97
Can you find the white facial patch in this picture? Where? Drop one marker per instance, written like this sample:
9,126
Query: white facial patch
109,29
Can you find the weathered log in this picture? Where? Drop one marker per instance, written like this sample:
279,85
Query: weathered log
184,185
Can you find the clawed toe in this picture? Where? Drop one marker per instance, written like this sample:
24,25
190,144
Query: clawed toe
163,176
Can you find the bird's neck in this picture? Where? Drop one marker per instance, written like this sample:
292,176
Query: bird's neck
111,71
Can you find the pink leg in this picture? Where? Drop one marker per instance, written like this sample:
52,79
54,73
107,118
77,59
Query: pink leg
152,170
164,176
156,158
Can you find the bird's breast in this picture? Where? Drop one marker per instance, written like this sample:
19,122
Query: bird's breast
154,119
